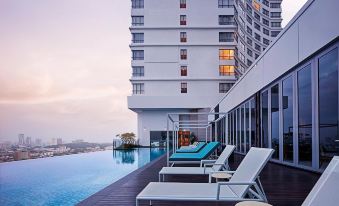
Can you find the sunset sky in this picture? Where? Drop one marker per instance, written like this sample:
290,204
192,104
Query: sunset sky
65,66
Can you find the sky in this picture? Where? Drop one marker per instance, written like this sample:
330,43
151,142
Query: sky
65,68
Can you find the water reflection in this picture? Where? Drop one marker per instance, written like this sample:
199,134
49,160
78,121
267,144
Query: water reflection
124,156
136,155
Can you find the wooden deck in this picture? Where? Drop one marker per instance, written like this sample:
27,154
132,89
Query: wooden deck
283,185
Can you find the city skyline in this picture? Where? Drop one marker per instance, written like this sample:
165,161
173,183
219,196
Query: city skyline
45,43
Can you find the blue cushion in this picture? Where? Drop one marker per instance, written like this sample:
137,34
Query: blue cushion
197,148
202,154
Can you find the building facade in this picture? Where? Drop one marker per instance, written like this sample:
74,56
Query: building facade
288,99
186,54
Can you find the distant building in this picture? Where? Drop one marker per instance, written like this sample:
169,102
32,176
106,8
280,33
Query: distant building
53,141
59,141
28,141
21,139
78,141
21,155
38,142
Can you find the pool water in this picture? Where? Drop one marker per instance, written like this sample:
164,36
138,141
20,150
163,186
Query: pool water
66,180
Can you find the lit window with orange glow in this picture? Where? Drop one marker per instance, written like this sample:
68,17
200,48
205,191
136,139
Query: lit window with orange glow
226,54
256,5
226,70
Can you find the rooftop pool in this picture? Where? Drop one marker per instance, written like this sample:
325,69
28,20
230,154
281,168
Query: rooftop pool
66,180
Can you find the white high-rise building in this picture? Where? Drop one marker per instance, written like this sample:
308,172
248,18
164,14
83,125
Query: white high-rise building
186,54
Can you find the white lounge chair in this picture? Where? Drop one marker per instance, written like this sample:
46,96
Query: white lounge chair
205,166
243,185
325,191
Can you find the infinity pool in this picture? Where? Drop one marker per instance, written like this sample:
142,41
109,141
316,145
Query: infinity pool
66,180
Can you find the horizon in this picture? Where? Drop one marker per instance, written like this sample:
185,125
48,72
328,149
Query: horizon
46,42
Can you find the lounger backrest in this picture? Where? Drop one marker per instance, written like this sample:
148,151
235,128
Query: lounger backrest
249,168
208,149
325,191
223,158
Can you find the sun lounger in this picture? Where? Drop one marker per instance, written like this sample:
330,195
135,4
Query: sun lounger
243,185
191,148
206,166
192,158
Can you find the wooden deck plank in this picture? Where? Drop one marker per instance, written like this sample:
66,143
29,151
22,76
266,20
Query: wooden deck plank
283,185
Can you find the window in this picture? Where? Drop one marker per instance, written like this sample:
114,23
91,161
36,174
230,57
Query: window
249,30
137,54
249,41
226,20
256,16
256,5
274,33
137,20
257,26
265,2
226,70
249,52
138,37
183,87
275,5
249,20
182,4
266,31
183,54
328,107
305,116
275,14
287,99
242,57
242,23
137,4
138,88
249,9
266,41
138,71
225,3
226,54
257,47
226,36
275,24
256,56
183,71
265,22
182,19
254,140
183,37
249,62
224,87
265,12
257,37
275,120
264,120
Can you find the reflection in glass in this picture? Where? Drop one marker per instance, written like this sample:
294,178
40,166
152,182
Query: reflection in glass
247,125
238,129
234,127
328,107
305,116
242,137
229,128
264,113
275,121
253,123
287,101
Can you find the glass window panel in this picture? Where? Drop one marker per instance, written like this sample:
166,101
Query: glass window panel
305,116
238,129
328,107
264,112
287,101
253,124
242,137
275,121
247,126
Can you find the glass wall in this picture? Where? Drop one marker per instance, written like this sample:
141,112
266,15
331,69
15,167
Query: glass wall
305,116
328,107
247,126
275,120
242,136
253,123
287,106
264,119
238,142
